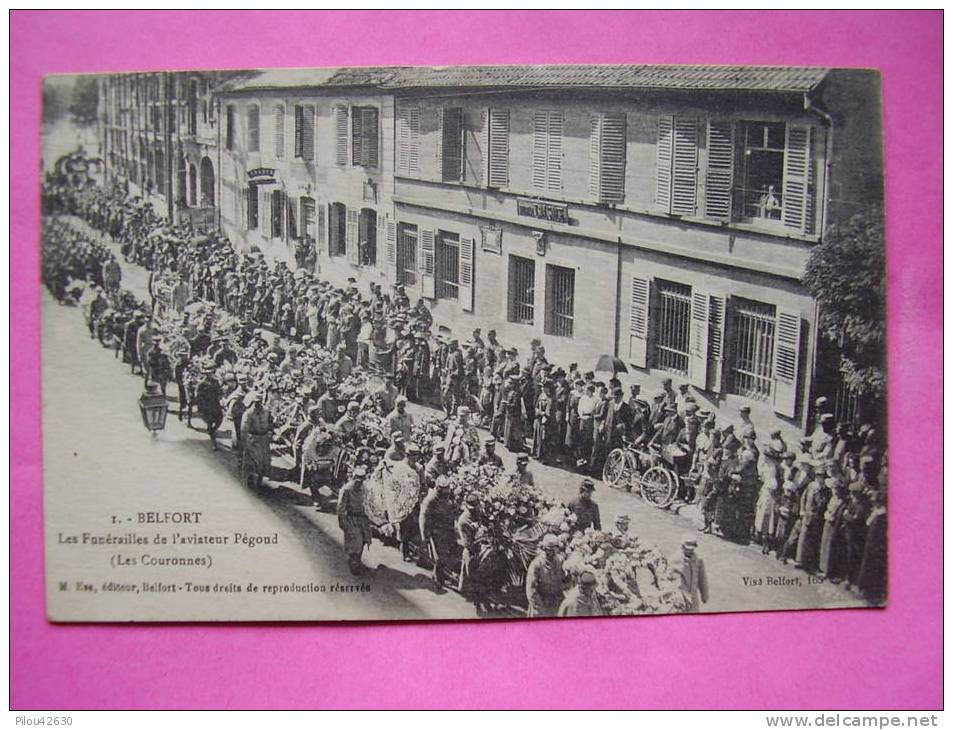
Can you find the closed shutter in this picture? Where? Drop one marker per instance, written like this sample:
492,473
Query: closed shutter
438,175
279,119
322,228
716,342
307,132
466,273
540,146
390,238
340,134
798,188
639,322
292,219
787,356
663,163
427,251
607,158
698,341
554,153
353,254
408,140
498,166
299,113
357,136
685,167
254,136
719,176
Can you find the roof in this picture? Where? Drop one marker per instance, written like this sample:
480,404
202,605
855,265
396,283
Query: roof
791,79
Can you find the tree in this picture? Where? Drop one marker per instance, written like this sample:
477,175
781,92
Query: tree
84,107
846,275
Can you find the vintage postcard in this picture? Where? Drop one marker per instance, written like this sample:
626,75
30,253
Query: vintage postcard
478,341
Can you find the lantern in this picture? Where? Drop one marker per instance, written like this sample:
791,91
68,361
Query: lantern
154,408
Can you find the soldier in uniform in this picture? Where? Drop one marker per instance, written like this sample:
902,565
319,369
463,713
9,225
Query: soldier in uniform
437,466
544,579
353,520
399,419
585,509
581,600
208,398
467,529
523,474
489,457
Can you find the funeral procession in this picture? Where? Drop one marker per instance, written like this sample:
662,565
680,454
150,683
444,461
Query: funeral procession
485,341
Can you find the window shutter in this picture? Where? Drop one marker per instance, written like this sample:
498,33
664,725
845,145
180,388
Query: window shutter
340,134
307,132
279,118
350,239
663,163
322,228
798,194
292,219
390,237
716,342
719,177
427,249
698,341
408,140
554,153
595,157
474,151
540,134
254,138
413,155
299,113
368,136
787,355
685,167
438,175
357,132
639,322
498,165
467,246
607,158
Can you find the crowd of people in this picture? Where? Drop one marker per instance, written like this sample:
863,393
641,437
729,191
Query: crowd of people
325,373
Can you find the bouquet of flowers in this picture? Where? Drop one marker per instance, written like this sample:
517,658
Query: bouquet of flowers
631,577
426,432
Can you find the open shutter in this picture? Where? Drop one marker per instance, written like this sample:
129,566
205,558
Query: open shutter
787,356
554,153
716,342
540,134
322,229
595,157
307,132
663,163
639,322
408,140
607,157
279,118
466,273
719,177
353,252
340,134
427,251
439,173
357,136
698,341
685,167
798,193
390,242
498,167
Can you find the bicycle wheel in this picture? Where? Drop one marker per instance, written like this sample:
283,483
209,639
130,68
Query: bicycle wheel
657,486
613,473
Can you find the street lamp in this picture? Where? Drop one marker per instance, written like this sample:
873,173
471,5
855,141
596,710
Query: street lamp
154,408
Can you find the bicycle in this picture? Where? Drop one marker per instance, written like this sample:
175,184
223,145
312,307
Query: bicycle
630,465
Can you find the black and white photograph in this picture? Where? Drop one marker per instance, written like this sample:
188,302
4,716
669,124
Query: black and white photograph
412,343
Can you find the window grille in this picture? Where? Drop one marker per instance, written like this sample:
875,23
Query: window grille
522,290
560,300
672,321
407,255
448,266
753,349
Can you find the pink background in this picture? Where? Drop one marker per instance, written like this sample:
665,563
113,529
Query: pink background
833,659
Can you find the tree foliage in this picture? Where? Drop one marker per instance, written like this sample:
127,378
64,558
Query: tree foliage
84,106
846,274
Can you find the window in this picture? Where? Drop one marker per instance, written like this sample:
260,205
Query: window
522,290
160,171
752,341
763,175
307,217
193,103
548,150
279,119
252,207
498,155
407,254
230,128
607,158
337,230
451,145
292,214
672,322
560,300
448,265
277,213
408,140
364,136
254,137
367,237
304,132
676,165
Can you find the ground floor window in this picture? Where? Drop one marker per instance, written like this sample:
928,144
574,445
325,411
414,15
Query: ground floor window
307,217
672,323
277,213
252,207
448,265
752,348
337,229
407,254
560,300
522,290
367,237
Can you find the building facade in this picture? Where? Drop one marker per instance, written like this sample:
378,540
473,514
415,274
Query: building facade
663,215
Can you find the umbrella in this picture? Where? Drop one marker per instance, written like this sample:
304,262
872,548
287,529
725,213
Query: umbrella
610,364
